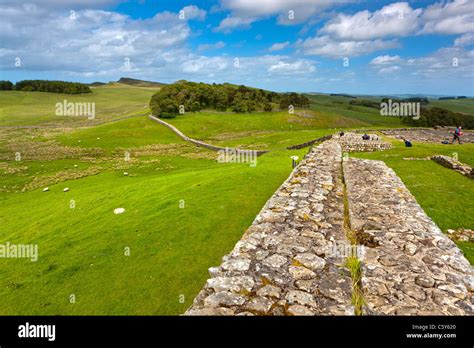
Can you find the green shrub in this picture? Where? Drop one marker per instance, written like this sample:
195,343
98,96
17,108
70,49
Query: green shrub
167,115
267,107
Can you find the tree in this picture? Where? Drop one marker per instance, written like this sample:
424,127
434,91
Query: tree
6,85
52,86
197,96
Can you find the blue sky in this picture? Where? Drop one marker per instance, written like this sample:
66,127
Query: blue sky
332,46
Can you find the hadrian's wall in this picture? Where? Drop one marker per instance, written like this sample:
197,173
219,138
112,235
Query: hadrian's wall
411,267
309,143
199,142
287,262
282,264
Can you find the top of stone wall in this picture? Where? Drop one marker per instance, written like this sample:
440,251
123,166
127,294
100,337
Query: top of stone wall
282,266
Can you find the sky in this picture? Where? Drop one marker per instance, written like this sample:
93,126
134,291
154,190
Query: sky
329,46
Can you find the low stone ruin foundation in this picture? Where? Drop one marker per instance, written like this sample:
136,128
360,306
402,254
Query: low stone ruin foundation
451,163
353,142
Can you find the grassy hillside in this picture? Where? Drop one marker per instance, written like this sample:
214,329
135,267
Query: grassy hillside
38,108
139,83
339,105
82,249
465,106
130,133
272,130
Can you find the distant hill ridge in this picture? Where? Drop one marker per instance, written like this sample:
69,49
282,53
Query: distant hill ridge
142,83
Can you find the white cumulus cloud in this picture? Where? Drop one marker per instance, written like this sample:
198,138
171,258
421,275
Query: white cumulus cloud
397,19
296,67
455,17
230,23
278,46
245,12
465,40
325,46
193,12
384,60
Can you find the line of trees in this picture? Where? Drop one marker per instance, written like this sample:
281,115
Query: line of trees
6,85
448,98
440,117
421,100
46,86
366,103
376,105
191,96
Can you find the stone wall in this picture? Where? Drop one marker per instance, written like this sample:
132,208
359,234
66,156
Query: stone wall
453,164
201,143
287,261
309,143
283,265
352,142
412,268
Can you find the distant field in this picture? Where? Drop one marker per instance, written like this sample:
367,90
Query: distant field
265,130
38,108
457,105
128,133
338,105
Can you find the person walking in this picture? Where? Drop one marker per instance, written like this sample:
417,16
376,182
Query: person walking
457,135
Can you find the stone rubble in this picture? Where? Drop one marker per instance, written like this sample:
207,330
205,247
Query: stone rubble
461,234
415,269
451,163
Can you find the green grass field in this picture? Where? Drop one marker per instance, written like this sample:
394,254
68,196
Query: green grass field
274,130
38,108
82,249
271,130
457,105
367,117
184,210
